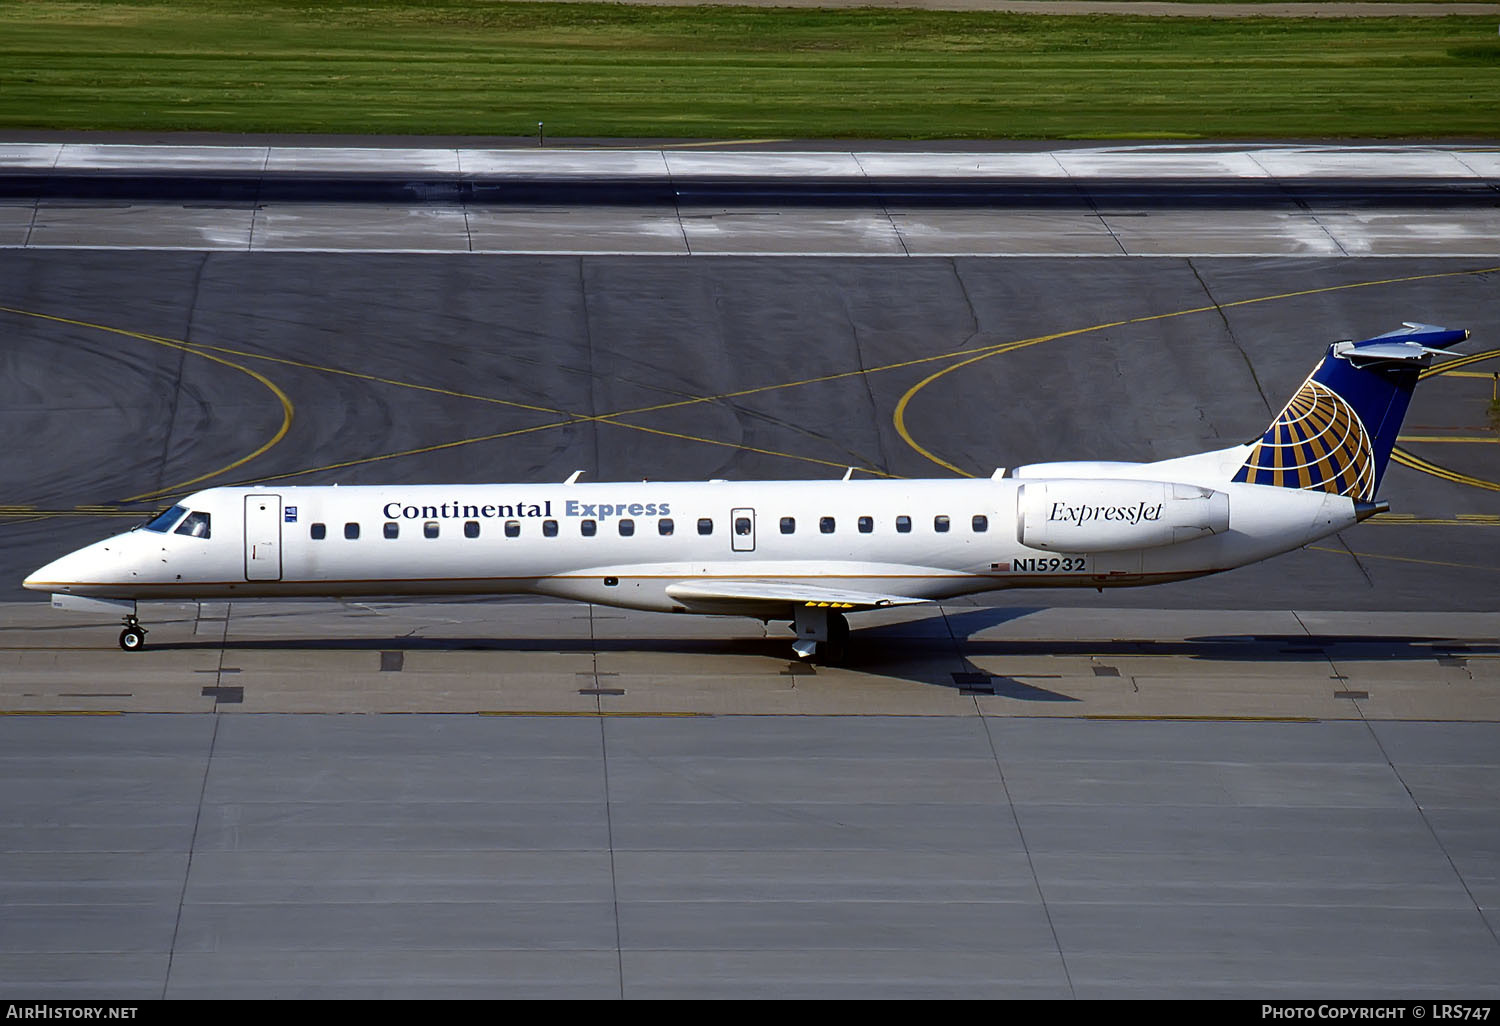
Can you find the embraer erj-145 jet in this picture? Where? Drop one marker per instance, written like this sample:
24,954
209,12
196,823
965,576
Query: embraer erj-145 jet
800,551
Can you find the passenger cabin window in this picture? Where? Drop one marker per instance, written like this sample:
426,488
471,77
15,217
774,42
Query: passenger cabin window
162,522
825,525
664,526
705,526
512,529
589,528
351,531
318,531
549,528
866,525
742,526
627,528
392,529
940,524
471,529
196,525
430,529
903,525
981,523
788,526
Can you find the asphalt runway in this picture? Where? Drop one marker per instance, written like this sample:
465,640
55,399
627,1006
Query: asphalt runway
1276,783
133,377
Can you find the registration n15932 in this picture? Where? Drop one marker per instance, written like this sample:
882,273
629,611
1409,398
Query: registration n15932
1050,564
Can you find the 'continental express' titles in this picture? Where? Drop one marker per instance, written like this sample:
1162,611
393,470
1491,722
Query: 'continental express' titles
523,510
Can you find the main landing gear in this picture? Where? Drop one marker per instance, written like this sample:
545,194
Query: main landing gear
133,637
822,634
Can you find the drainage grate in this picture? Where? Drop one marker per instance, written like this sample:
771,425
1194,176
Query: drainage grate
1106,671
1357,695
391,662
601,691
226,696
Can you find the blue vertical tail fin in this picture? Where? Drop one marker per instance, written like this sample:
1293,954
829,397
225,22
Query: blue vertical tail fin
1337,432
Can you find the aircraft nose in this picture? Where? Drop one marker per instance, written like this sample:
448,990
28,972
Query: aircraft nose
48,577
63,573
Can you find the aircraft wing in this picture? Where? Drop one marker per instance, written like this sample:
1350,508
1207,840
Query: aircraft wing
781,593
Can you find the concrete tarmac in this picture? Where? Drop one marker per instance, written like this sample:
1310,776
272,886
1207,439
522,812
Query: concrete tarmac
548,658
444,856
1123,200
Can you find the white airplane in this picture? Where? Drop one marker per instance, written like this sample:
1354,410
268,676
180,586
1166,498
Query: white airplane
800,551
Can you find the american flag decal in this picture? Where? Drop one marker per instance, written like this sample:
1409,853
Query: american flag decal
1000,566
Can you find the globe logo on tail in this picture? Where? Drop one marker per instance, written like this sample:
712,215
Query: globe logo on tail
1318,443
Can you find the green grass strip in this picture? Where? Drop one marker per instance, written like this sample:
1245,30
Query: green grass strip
470,67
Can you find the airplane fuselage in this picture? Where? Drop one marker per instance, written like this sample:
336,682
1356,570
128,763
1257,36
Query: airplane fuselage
661,546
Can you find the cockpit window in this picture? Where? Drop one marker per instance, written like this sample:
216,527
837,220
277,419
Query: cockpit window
196,525
162,522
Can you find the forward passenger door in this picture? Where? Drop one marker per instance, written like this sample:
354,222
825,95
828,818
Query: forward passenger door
262,537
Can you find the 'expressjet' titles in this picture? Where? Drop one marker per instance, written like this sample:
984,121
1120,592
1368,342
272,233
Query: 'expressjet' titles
1137,514
521,510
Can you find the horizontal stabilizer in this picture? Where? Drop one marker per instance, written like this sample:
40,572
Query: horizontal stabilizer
1410,352
1412,344
1423,334
781,593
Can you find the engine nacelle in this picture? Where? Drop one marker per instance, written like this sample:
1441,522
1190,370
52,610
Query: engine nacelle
1110,515
1078,469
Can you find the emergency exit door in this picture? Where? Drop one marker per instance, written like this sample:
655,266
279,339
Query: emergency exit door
262,537
742,530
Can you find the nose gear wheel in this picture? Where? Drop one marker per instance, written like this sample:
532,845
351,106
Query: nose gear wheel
133,637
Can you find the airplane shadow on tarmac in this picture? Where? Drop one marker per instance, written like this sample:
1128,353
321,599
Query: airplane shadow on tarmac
938,649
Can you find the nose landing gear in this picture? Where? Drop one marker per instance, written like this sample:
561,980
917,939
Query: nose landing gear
133,637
